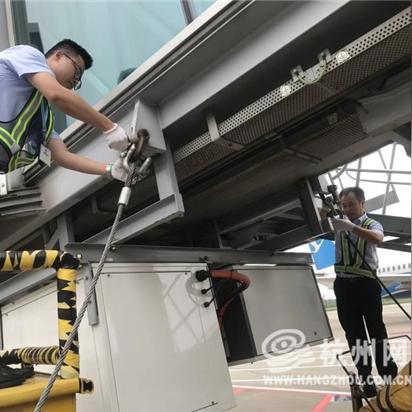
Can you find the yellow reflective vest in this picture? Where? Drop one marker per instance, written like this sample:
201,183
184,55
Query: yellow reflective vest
355,264
23,136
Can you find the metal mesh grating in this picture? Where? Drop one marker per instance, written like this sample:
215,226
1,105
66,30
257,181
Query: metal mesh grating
388,51
275,116
380,33
257,107
197,160
342,78
354,49
195,145
333,138
376,50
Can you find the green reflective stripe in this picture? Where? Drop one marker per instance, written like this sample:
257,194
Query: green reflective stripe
25,158
354,266
26,116
12,163
362,272
6,142
6,137
353,271
24,162
361,247
339,268
345,249
50,126
367,222
20,159
13,135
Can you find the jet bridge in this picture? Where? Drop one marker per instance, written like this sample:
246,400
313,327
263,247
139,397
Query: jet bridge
247,107
246,112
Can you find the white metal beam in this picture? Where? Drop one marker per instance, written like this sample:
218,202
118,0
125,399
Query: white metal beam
290,20
156,254
7,36
387,111
23,282
160,212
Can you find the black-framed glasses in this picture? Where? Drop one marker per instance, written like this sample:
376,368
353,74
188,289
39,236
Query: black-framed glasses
78,73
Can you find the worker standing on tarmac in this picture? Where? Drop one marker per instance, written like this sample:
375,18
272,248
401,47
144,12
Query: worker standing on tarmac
29,82
358,293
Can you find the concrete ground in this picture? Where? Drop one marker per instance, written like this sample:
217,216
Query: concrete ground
310,380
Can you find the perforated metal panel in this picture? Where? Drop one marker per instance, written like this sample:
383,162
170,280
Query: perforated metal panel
382,47
195,145
278,114
196,161
333,138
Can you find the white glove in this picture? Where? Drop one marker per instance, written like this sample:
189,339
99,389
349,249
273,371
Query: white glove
117,138
342,224
117,171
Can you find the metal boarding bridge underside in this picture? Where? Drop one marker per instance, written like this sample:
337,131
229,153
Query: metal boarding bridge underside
27,201
173,96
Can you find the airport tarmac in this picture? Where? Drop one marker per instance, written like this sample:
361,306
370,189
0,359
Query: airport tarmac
311,380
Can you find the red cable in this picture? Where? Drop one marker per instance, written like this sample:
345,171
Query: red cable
231,274
236,276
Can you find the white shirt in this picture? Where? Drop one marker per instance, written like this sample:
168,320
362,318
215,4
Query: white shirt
15,63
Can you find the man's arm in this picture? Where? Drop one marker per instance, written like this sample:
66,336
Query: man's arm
373,235
370,235
68,101
73,161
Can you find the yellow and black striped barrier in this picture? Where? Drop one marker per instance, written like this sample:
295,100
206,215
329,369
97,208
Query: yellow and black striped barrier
24,260
31,356
66,266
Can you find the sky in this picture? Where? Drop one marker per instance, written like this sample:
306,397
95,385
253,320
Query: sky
401,162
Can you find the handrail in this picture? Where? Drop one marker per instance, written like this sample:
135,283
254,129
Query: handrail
66,267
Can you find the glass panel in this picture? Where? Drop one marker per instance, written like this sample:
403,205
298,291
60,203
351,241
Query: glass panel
396,193
120,35
199,6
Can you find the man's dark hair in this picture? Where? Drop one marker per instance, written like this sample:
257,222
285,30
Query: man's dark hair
72,48
357,191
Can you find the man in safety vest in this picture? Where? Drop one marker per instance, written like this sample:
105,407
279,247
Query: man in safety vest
29,82
358,293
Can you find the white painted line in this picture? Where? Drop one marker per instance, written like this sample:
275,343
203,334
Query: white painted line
265,388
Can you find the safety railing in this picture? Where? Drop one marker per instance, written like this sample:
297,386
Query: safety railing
66,267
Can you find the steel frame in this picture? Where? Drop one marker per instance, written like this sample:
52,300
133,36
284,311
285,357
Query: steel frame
285,90
90,253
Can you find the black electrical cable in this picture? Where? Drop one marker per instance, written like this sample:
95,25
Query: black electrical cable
222,310
215,291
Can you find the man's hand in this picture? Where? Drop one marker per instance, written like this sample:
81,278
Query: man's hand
117,138
118,171
342,224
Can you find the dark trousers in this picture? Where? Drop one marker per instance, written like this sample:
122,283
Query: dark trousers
359,299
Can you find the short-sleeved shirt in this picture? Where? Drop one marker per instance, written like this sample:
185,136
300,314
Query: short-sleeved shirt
371,255
15,90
